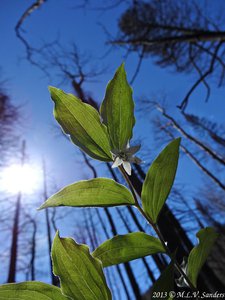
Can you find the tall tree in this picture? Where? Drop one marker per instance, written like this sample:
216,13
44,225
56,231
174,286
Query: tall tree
185,35
127,266
15,229
9,118
166,127
54,279
172,126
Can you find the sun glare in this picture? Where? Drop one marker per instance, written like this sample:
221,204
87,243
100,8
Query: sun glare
17,178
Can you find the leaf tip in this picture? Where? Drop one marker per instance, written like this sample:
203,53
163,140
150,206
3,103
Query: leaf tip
175,144
54,92
44,205
52,89
121,68
41,207
56,237
177,141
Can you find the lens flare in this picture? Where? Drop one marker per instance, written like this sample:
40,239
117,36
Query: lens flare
17,178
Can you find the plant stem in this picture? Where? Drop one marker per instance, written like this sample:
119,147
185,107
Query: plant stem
155,228
126,177
157,231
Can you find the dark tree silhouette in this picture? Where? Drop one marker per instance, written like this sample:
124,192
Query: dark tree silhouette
181,34
208,129
54,279
9,119
173,125
29,49
15,229
211,193
33,250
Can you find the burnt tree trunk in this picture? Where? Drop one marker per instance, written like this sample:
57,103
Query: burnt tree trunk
127,266
117,266
159,260
54,279
15,230
14,243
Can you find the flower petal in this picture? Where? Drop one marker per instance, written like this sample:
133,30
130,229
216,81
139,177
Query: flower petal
132,150
127,167
118,161
135,160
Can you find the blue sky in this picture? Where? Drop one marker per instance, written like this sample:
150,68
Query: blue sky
28,86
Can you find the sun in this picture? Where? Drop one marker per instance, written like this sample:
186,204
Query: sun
18,178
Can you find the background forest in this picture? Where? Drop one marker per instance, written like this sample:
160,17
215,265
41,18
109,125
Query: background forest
174,53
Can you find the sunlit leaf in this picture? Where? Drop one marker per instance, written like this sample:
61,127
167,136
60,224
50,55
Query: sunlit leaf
96,192
82,123
123,248
81,275
163,288
30,290
159,180
199,253
117,110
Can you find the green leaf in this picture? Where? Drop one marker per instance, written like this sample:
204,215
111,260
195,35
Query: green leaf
159,180
123,248
82,122
96,192
163,287
199,253
117,110
81,275
30,290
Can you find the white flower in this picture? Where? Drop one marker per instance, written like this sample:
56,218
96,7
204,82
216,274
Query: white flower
118,162
125,157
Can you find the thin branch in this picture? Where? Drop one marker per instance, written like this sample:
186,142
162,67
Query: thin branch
141,56
188,38
28,12
201,145
199,71
93,170
184,102
204,169
197,162
18,29
216,132
218,58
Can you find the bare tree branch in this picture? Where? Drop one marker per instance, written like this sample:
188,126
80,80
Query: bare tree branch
199,71
201,79
141,56
168,30
201,145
